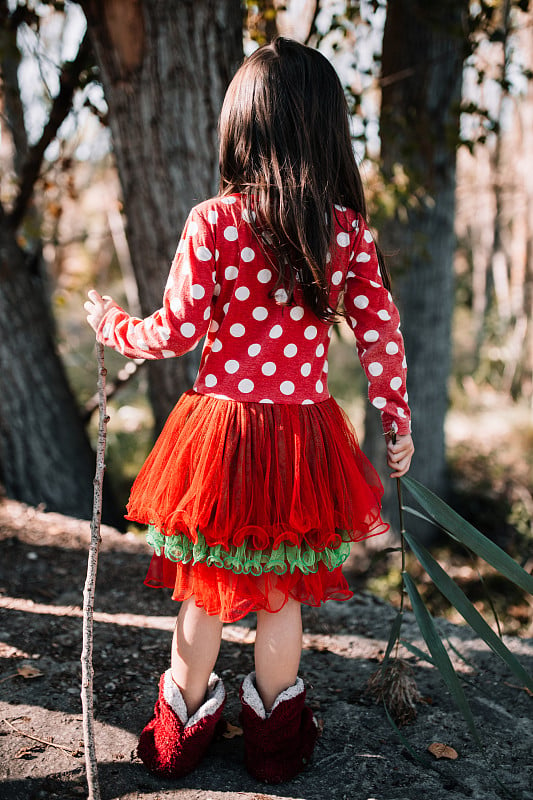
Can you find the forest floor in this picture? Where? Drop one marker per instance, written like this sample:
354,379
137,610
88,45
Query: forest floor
358,756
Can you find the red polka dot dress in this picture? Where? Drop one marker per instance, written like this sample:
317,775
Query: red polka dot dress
256,486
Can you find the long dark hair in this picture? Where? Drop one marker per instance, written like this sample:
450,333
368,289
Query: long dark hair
285,144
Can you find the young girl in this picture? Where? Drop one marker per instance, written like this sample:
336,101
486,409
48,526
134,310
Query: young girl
256,487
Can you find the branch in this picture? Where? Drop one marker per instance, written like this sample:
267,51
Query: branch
61,107
87,670
123,377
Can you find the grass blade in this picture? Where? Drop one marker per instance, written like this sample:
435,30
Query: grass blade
459,600
462,530
440,656
417,651
393,637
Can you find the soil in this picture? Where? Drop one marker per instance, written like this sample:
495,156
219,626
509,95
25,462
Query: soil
359,756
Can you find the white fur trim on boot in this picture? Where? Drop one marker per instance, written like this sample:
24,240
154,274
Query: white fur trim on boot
215,696
251,696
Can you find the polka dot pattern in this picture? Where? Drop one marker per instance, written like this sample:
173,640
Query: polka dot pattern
259,347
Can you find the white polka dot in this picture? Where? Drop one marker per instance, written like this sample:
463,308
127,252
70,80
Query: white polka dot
296,313
187,330
259,313
325,368
231,366
264,275
343,239
181,246
404,362
320,350
340,208
355,224
379,402
246,386
401,412
175,305
363,258
395,383
269,368
212,216
276,332
267,401
305,370
375,284
192,229
367,236
383,314
336,278
350,274
242,293
254,350
106,330
328,257
247,254
351,256
391,348
203,253
375,368
231,233
213,328
210,380
353,322
361,301
248,217
231,273
307,403
217,254
217,289
216,346
287,387
164,334
310,332
319,387
229,200
371,336
237,330
168,353
330,331
290,350
281,296
197,291
207,313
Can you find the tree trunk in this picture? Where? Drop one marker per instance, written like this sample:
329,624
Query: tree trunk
45,455
423,52
165,67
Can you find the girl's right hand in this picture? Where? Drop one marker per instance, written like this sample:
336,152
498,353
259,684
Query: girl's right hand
96,307
399,454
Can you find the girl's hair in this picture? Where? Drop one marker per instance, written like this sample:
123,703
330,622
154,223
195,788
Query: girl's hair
285,144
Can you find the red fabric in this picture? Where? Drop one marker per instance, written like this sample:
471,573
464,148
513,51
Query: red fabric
265,473
279,747
169,749
257,348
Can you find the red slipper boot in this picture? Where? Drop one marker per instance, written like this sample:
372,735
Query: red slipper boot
171,745
278,745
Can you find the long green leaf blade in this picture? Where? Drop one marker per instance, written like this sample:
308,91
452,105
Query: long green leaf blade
440,656
462,530
393,636
459,600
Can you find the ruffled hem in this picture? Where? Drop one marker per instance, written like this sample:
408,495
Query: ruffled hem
243,559
231,597
268,474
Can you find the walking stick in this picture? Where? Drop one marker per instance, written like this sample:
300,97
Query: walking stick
87,670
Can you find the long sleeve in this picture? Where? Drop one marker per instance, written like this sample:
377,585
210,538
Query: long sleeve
177,327
375,322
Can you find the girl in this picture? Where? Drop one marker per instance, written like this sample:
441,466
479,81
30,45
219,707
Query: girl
256,487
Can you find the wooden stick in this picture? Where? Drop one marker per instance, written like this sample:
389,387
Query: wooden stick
42,741
87,671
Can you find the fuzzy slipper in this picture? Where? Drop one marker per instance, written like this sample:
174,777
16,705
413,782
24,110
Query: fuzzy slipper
171,745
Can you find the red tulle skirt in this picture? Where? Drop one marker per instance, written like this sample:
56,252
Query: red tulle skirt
262,475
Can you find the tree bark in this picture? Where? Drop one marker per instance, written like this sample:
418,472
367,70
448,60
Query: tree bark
423,51
164,67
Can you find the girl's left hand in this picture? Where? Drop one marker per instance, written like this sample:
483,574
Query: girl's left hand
399,455
96,307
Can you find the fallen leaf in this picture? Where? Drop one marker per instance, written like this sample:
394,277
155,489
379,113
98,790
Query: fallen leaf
440,750
27,671
231,731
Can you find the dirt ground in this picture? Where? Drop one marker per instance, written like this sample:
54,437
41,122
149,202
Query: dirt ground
358,757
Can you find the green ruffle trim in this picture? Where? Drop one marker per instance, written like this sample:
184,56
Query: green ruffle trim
285,558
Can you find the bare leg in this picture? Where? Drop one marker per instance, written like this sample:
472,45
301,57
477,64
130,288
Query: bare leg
195,649
278,646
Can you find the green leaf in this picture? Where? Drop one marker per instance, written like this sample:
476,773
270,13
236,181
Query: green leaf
440,656
462,530
459,600
417,757
417,651
393,637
